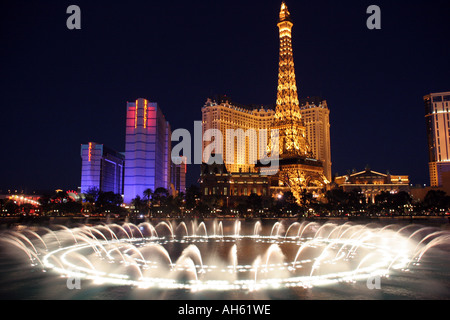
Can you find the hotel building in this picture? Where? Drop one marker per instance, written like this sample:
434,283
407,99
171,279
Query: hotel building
224,115
372,183
101,168
316,118
437,118
147,149
216,181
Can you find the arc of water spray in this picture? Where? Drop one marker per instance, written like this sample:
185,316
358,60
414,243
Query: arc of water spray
82,258
24,248
190,265
111,233
274,248
445,237
118,251
217,229
257,228
434,234
49,231
131,247
167,225
93,242
203,226
194,250
339,229
183,224
300,250
321,257
405,227
129,225
322,227
23,237
290,227
99,233
277,225
122,229
65,229
306,227
160,249
37,236
150,227
366,257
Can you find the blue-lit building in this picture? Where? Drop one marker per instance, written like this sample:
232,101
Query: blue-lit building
147,149
101,168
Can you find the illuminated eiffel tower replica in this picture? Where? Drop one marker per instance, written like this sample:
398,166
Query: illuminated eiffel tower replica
298,170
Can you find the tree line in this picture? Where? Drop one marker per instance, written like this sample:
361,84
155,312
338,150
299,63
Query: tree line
160,203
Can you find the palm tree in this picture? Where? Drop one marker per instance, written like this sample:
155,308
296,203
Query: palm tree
160,196
435,200
138,203
148,194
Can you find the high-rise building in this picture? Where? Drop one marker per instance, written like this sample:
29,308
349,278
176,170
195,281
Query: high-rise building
229,118
178,175
316,117
147,149
437,117
101,168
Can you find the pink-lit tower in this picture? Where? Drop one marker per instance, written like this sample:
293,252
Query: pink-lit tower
147,149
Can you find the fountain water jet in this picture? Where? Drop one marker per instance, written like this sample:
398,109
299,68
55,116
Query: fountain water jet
340,252
257,228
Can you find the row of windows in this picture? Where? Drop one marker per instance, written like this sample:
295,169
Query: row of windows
441,98
233,192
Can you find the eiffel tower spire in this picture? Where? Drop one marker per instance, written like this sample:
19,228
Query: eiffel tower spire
288,120
298,170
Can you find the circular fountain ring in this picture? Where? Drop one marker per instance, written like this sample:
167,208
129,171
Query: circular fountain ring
124,262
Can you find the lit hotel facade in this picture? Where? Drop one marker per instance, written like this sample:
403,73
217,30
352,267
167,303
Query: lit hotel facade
147,149
316,118
225,115
437,117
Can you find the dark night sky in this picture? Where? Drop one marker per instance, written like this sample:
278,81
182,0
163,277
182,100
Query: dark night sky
61,88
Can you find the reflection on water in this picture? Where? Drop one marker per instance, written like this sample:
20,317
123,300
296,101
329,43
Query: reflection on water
226,260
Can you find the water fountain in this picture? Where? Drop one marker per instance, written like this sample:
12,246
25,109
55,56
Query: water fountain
225,255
